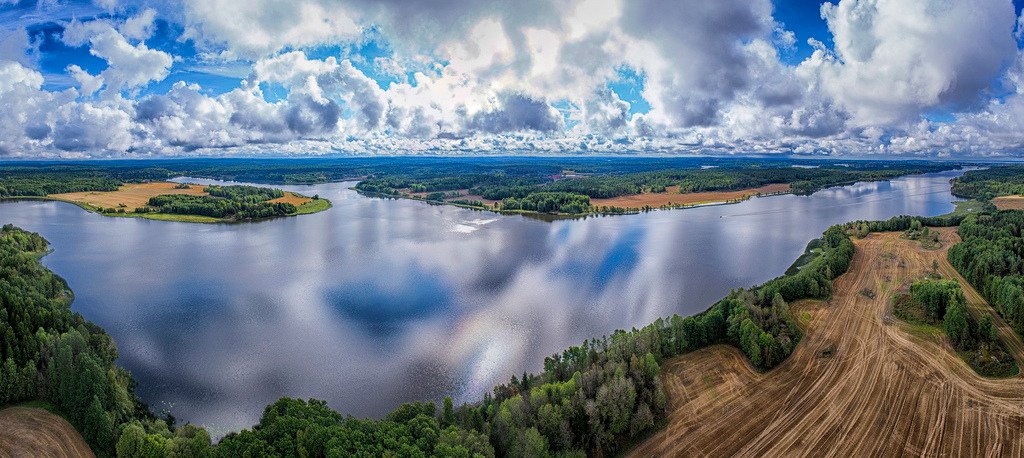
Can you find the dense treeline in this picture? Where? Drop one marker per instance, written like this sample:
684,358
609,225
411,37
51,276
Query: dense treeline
988,183
48,352
218,207
38,186
942,302
292,427
903,223
549,202
57,179
244,193
802,180
991,257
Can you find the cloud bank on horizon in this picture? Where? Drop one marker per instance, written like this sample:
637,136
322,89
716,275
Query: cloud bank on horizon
127,78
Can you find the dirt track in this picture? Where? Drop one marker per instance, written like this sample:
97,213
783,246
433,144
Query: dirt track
26,431
885,390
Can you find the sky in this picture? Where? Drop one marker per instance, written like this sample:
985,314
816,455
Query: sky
223,78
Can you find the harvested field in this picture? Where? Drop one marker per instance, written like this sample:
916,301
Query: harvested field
132,195
1009,202
861,383
672,197
28,431
291,198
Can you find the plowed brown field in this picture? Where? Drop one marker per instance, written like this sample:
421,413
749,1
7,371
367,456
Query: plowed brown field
27,431
885,390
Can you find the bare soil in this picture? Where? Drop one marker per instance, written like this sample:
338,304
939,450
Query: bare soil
29,431
1009,202
672,197
861,383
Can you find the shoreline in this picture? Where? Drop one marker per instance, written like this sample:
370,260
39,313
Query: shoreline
747,194
596,212
314,206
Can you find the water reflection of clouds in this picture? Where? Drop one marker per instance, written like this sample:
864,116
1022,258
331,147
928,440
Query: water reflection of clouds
377,302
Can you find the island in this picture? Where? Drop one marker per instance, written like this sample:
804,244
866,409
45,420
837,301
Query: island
163,200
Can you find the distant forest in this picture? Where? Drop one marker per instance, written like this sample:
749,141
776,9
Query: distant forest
542,185
569,190
235,202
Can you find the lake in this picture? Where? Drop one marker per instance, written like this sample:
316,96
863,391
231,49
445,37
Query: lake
376,302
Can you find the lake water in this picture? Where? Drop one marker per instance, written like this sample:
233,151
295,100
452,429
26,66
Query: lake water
378,302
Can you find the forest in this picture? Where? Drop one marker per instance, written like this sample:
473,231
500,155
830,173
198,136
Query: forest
35,180
991,257
549,202
991,182
228,202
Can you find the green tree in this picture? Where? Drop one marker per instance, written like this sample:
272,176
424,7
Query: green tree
447,413
956,324
98,428
987,329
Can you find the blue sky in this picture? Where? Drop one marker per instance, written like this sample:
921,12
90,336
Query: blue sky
602,76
